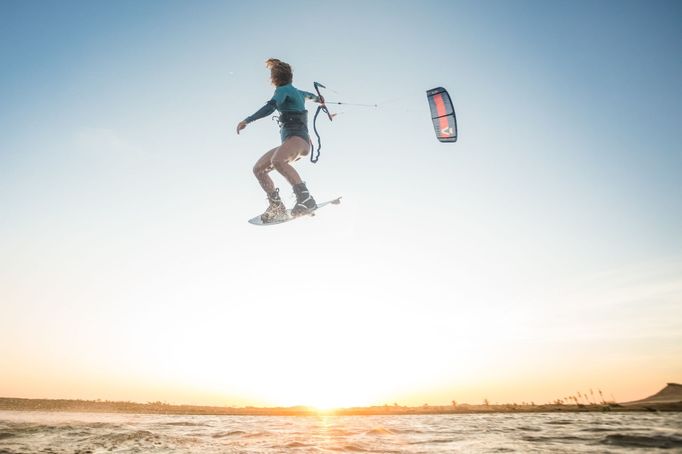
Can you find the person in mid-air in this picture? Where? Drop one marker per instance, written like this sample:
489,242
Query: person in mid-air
293,119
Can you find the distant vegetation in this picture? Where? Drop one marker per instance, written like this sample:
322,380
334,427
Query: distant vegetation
579,402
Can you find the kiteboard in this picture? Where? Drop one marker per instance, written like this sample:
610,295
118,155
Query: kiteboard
258,221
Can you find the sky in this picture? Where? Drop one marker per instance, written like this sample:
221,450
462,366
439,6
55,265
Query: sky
538,256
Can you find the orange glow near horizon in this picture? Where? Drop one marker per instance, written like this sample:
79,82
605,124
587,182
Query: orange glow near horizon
326,392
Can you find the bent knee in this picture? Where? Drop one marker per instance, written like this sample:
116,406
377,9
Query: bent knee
279,164
260,170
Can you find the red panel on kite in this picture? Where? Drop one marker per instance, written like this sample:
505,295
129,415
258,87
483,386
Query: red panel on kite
442,114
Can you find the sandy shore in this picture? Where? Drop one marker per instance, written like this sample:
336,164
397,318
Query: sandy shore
163,408
667,399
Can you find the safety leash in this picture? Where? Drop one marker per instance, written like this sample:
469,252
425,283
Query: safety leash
315,154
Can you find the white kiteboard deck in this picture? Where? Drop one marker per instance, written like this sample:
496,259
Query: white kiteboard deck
257,220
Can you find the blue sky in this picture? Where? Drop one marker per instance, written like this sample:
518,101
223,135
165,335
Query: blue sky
556,217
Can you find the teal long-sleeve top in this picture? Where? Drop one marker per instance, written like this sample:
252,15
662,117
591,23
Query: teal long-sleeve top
287,98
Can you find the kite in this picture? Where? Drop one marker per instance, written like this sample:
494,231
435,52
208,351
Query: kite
442,114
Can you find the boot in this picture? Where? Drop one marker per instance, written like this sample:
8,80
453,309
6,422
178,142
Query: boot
305,204
276,210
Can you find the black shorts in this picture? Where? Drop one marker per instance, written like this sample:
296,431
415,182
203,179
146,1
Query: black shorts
285,133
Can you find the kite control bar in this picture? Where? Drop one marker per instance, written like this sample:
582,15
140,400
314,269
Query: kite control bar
322,107
315,154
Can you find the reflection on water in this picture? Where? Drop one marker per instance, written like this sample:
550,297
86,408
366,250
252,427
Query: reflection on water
82,433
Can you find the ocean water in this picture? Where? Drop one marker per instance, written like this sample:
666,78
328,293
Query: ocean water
81,433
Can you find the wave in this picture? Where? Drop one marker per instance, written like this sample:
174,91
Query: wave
296,444
434,440
561,422
596,429
352,448
22,429
380,431
127,437
644,441
256,434
554,439
391,434
230,433
183,424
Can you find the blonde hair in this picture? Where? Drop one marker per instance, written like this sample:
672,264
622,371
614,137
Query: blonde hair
280,72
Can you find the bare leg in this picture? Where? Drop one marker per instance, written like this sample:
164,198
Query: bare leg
262,168
292,148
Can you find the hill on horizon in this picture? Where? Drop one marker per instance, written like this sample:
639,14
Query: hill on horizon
672,393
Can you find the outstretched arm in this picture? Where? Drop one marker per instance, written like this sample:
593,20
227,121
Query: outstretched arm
308,95
264,111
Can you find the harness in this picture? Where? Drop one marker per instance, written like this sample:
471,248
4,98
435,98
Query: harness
299,120
294,120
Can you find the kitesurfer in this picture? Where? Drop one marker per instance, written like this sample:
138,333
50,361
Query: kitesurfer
293,120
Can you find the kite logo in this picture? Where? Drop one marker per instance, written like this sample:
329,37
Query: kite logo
446,131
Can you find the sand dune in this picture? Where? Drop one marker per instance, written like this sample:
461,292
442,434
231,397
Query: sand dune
671,394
